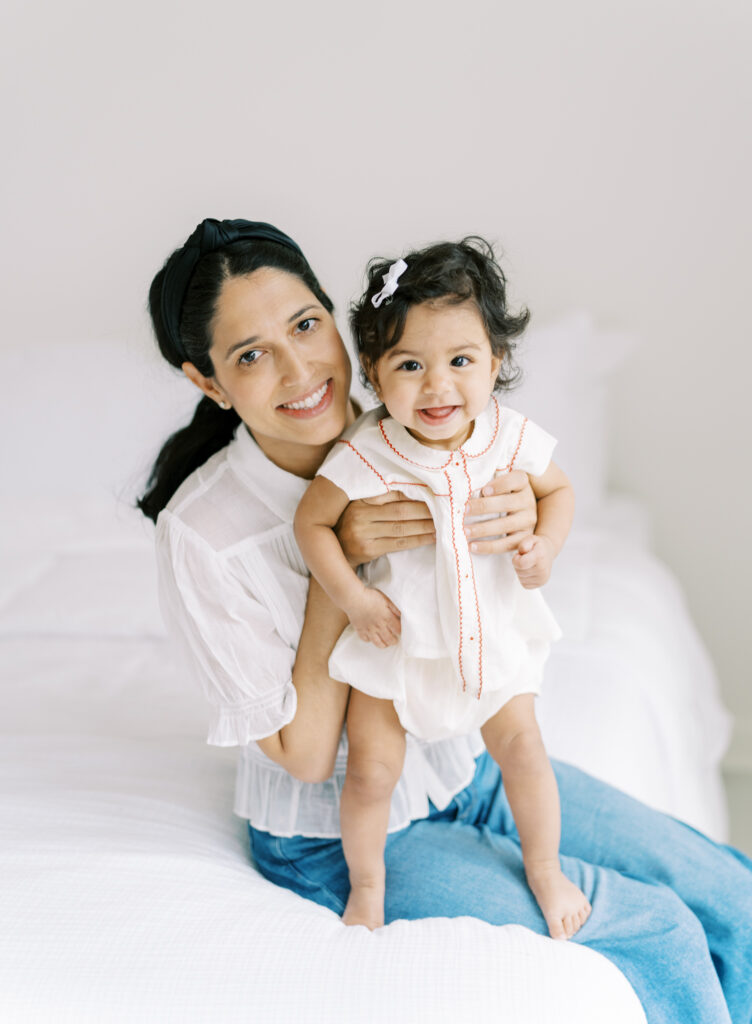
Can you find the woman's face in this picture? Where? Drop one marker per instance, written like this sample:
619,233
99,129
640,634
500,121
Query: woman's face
280,362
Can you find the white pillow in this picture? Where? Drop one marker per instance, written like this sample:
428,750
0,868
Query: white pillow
566,370
94,420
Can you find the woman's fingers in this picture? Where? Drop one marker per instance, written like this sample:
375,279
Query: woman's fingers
498,545
377,526
506,505
517,523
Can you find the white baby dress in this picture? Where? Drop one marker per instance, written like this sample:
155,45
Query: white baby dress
472,636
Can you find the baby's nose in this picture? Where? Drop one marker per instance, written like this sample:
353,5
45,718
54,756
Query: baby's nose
436,382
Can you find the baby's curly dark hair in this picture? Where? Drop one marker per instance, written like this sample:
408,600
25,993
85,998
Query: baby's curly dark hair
451,272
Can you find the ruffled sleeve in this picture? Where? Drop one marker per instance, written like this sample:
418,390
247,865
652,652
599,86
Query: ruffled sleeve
530,447
242,664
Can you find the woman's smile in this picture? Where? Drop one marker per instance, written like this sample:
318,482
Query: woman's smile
311,404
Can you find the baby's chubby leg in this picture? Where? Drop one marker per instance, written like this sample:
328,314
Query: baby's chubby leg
376,743
514,741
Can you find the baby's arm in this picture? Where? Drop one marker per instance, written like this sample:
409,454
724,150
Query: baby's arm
536,553
372,614
514,741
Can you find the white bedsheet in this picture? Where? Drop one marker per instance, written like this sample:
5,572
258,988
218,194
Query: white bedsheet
127,889
128,896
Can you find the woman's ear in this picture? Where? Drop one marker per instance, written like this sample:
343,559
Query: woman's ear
205,384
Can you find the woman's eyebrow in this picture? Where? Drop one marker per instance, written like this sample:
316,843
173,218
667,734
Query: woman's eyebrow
302,311
255,338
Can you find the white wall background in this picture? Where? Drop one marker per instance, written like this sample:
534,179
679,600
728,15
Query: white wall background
606,146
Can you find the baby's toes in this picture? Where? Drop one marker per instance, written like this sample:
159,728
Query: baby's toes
578,919
556,928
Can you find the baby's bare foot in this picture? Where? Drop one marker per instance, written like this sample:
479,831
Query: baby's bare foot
365,905
563,905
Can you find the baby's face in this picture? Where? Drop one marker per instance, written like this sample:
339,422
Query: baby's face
440,374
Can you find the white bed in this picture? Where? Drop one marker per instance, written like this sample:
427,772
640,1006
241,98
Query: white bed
127,889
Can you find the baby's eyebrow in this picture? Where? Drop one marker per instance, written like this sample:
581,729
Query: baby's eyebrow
401,353
398,353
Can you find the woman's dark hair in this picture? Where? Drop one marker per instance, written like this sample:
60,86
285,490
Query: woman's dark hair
451,272
211,427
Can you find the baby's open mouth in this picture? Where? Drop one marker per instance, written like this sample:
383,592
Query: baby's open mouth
437,414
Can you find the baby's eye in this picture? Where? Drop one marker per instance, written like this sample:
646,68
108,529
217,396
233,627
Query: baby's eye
250,357
460,361
410,365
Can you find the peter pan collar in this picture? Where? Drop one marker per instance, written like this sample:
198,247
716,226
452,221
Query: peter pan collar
276,488
403,444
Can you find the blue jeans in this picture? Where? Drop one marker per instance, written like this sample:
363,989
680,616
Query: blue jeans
671,908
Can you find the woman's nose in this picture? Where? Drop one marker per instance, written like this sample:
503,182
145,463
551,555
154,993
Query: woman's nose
292,368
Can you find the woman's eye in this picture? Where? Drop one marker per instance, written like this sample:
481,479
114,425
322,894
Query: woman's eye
410,365
460,361
250,357
307,325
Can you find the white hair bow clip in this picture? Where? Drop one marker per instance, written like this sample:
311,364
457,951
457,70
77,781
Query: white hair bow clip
391,281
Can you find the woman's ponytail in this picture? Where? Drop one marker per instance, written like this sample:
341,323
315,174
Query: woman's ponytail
208,432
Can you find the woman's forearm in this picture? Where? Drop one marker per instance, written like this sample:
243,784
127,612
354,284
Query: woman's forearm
307,746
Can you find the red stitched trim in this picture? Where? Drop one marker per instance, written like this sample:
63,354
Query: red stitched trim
493,438
475,594
519,442
411,461
365,460
409,483
459,592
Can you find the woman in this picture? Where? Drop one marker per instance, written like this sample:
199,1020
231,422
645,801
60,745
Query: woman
239,310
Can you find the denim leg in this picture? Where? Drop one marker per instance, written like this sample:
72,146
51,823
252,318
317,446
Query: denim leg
313,868
603,826
452,869
444,867
607,827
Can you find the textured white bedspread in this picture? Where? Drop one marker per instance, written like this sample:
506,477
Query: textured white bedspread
128,897
126,889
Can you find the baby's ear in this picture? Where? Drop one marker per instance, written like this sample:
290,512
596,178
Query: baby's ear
369,372
496,362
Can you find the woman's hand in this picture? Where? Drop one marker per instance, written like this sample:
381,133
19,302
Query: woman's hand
378,526
509,496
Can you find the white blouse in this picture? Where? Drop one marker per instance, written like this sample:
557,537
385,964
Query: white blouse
233,588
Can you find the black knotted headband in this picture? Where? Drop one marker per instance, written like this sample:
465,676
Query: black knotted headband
209,236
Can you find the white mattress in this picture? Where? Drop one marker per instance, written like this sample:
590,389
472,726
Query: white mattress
127,889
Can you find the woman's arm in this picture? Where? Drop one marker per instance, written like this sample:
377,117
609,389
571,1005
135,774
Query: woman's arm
307,747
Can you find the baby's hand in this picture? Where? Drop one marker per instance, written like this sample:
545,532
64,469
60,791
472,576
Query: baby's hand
533,560
374,618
